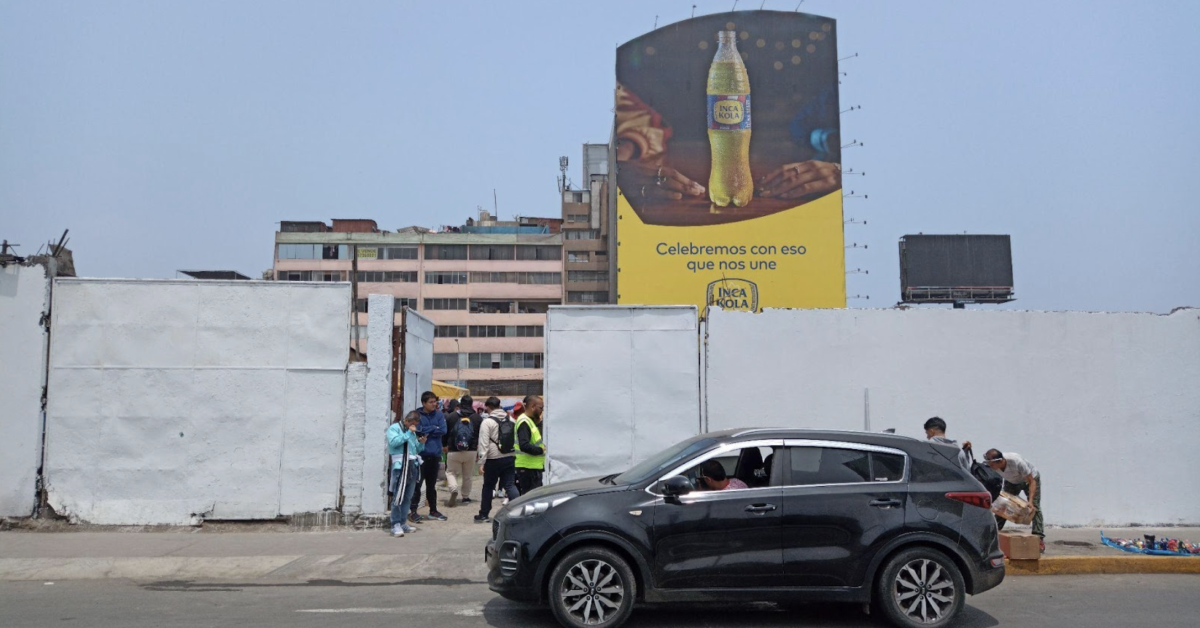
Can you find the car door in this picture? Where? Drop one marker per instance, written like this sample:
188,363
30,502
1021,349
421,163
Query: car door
841,502
720,539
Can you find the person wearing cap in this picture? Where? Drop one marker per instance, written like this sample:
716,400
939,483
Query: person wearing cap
1019,475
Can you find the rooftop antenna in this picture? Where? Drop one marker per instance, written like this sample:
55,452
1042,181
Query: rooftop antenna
655,23
734,6
693,10
495,203
562,165
798,6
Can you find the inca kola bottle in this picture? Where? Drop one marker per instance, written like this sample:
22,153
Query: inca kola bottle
729,126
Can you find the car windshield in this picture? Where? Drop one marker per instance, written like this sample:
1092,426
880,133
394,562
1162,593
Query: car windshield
668,457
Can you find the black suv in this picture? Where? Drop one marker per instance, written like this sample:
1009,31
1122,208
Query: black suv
829,516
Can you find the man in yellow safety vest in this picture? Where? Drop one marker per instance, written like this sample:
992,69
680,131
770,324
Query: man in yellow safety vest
531,453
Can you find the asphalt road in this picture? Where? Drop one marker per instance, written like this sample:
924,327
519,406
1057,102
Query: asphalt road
1028,602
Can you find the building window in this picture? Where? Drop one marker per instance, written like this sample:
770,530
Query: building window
361,329
504,388
360,305
445,278
387,276
507,331
546,253
398,252
504,360
445,304
314,251
578,256
492,252
450,331
587,297
479,306
580,276
577,217
311,275
517,278
582,234
445,360
445,251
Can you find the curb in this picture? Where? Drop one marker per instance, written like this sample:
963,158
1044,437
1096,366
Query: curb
1084,565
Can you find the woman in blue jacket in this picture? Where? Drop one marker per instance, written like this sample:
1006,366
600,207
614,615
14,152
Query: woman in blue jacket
405,448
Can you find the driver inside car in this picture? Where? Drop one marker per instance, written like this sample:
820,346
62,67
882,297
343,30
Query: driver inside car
713,477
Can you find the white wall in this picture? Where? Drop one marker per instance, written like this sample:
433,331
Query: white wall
354,433
24,297
622,383
173,401
1107,406
380,321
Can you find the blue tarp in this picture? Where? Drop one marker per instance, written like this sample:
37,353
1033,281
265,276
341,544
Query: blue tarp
1137,550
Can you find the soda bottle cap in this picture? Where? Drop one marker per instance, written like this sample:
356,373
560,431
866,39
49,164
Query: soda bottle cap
728,37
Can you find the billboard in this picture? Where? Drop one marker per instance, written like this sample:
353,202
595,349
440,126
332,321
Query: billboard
729,164
956,269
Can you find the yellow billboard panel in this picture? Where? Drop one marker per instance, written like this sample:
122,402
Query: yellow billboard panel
788,259
728,169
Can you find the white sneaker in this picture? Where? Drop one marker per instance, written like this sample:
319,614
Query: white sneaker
397,531
505,502
453,501
409,529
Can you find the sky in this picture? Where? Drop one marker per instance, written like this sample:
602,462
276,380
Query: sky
176,135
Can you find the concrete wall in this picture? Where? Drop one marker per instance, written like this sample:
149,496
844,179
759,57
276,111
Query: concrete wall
173,401
1107,406
380,313
354,436
622,383
24,298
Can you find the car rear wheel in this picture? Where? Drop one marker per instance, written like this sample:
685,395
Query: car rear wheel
920,587
592,586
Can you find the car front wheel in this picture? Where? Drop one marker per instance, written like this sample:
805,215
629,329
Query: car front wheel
591,586
920,587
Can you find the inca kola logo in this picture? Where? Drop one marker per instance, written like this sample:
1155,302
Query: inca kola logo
733,294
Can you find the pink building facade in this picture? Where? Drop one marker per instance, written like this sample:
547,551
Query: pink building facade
487,292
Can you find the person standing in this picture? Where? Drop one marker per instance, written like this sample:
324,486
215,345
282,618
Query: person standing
935,430
432,427
462,432
1020,475
531,452
404,447
497,442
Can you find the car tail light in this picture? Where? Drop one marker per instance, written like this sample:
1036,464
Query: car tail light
982,499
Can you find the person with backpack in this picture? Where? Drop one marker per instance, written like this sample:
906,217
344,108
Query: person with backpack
531,452
432,426
496,455
462,431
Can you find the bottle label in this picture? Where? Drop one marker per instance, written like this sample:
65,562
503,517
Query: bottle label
729,112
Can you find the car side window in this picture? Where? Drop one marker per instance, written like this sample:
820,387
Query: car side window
886,467
827,465
749,466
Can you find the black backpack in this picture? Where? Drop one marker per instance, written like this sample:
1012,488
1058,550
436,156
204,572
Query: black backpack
463,434
507,433
986,476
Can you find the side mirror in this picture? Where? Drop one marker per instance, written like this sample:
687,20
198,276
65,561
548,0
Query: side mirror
675,486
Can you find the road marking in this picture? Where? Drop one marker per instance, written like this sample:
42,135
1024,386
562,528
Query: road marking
429,609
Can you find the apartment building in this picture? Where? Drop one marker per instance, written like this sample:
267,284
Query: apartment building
588,267
487,285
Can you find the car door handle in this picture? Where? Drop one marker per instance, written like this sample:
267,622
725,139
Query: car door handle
885,503
760,509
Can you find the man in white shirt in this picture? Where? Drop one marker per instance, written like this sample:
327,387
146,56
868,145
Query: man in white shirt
1019,475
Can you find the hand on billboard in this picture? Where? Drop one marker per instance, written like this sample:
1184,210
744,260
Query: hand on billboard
661,182
801,179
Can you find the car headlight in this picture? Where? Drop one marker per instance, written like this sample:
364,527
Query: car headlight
538,507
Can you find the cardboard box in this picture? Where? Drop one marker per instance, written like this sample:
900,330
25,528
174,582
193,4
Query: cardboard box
1012,508
1020,546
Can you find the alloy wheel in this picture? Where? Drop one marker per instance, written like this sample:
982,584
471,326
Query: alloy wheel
592,591
924,591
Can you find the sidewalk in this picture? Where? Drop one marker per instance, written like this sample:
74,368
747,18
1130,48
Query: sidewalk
443,551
